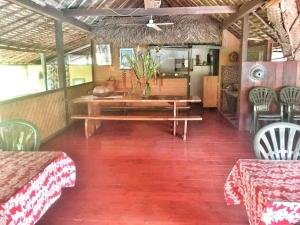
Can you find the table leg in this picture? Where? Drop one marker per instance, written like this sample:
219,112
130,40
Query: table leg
175,122
92,125
185,130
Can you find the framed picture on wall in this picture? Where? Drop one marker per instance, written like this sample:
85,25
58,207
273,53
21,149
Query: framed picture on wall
123,61
103,55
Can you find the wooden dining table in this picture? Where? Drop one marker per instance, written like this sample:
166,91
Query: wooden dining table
30,182
95,109
269,189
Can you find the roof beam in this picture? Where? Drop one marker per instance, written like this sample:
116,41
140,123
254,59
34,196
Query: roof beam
151,11
19,49
52,12
275,38
245,9
152,4
22,45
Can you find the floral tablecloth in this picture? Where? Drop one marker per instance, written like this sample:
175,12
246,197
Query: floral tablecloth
269,189
30,182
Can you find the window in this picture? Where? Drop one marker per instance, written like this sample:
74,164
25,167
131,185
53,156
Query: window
278,56
79,66
39,72
18,80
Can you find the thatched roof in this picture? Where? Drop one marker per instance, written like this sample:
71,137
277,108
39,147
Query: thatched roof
186,29
25,32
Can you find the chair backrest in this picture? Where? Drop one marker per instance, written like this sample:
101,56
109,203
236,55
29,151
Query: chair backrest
19,135
278,141
262,98
290,95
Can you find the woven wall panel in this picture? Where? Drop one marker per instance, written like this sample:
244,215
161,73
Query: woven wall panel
46,111
77,91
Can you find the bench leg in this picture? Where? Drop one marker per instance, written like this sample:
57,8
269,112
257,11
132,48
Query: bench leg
174,128
86,128
175,122
185,130
90,126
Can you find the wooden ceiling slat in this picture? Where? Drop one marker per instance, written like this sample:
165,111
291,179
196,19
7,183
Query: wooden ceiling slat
246,8
41,35
153,11
17,20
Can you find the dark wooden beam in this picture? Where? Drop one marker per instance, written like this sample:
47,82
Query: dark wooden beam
242,107
244,39
51,12
60,54
151,11
61,68
245,9
44,69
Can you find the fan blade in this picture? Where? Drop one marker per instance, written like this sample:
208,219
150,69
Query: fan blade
164,24
132,24
155,27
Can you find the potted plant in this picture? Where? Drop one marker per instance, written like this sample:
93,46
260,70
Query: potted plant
145,68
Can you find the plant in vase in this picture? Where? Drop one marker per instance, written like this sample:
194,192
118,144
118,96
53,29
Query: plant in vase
145,67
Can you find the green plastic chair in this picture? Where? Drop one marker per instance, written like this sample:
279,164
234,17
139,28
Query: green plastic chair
19,135
262,99
278,141
290,97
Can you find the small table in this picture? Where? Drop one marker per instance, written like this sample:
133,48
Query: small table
94,108
30,182
269,189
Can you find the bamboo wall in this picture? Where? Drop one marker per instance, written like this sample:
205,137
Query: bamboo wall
77,91
46,110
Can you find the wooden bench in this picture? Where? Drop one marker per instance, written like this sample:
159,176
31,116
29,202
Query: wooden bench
139,118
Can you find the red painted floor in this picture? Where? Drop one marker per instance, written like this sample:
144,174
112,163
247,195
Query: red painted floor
137,173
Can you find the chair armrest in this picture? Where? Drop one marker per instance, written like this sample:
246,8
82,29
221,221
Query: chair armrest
281,110
254,111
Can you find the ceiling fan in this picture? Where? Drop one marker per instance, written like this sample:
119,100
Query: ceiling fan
150,24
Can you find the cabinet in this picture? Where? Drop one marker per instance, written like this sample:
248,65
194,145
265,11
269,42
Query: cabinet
210,91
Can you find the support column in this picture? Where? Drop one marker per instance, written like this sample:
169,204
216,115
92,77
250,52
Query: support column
61,64
94,63
268,50
44,69
244,39
243,99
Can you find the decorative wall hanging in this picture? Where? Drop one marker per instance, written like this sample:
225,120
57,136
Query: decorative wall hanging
233,56
103,55
124,64
257,72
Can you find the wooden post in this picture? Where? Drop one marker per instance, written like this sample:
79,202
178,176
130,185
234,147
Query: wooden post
174,114
243,58
61,64
94,63
244,39
185,130
268,50
44,69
